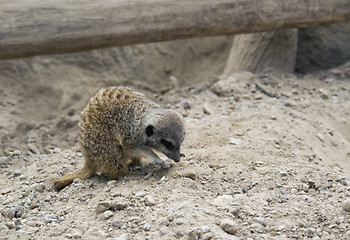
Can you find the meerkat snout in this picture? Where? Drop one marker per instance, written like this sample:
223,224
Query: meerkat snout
164,131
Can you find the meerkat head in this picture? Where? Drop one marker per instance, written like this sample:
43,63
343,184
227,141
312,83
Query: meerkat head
164,131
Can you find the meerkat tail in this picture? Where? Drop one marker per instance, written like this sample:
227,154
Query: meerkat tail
83,173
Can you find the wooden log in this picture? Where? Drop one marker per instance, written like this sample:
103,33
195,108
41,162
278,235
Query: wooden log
35,27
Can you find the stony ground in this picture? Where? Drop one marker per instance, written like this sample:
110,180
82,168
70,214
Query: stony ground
267,157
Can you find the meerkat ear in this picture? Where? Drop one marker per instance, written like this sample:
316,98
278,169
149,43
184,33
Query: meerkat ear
149,130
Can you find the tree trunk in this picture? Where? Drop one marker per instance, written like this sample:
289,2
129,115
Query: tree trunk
36,27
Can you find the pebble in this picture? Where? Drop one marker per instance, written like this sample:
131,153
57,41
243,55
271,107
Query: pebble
207,109
194,234
147,226
32,148
68,235
15,212
346,205
4,161
228,226
320,137
223,201
118,203
261,221
208,236
102,207
283,173
179,222
163,231
205,229
140,194
124,236
37,187
149,200
235,141
31,224
117,223
10,225
6,191
77,235
162,179
107,214
186,173
112,183
18,224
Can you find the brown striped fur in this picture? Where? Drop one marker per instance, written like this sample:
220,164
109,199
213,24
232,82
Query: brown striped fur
120,126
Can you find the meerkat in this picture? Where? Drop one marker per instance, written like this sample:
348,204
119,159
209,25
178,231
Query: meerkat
119,127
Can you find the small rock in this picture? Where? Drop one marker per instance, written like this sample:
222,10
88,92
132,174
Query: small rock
346,205
228,86
18,224
32,224
205,229
117,224
112,183
16,173
4,161
163,231
124,227
149,200
15,212
223,201
6,191
32,148
37,187
124,236
235,141
195,234
140,194
147,226
179,222
77,235
324,94
10,225
261,221
228,226
102,207
207,109
319,136
107,214
15,153
283,173
118,203
256,226
69,236
208,236
164,178
186,173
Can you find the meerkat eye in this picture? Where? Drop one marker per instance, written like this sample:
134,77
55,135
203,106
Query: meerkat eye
168,145
149,130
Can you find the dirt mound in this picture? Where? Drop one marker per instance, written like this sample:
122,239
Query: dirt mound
267,156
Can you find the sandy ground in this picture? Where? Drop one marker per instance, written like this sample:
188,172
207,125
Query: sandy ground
267,157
